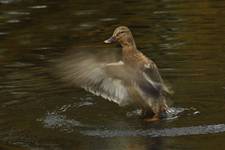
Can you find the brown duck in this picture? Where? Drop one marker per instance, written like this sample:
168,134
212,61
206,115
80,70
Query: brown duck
133,80
146,86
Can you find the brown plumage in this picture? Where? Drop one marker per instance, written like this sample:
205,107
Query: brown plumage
150,86
133,80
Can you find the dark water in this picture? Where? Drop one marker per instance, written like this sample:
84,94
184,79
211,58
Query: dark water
38,111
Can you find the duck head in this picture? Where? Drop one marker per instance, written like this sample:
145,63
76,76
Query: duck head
123,35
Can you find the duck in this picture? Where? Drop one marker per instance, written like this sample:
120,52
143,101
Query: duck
133,80
149,85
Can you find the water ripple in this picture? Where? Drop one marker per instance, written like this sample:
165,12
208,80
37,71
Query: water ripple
167,132
17,13
108,19
38,6
54,120
7,1
3,33
85,12
13,21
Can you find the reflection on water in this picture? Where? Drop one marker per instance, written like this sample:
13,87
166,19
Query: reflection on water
39,111
170,132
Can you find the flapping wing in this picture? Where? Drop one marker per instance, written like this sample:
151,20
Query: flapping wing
97,78
152,75
151,70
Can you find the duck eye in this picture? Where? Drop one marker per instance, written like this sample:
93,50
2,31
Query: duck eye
120,33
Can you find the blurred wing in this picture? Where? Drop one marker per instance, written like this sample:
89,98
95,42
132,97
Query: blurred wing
99,79
152,72
152,75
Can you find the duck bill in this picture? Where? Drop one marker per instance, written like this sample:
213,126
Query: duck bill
110,40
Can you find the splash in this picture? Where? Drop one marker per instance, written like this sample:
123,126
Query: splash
61,122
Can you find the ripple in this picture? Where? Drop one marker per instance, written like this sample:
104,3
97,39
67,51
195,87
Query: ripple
85,12
172,53
13,21
43,48
3,33
9,103
7,1
84,26
64,108
161,12
108,19
18,65
87,25
54,120
17,13
171,114
168,69
171,45
167,132
133,113
38,7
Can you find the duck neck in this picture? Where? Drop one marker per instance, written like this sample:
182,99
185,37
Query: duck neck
129,45
128,51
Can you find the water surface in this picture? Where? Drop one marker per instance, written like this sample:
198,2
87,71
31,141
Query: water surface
38,111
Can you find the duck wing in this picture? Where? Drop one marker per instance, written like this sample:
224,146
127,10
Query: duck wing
151,72
101,79
152,75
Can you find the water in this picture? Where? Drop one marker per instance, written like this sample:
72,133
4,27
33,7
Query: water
38,111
